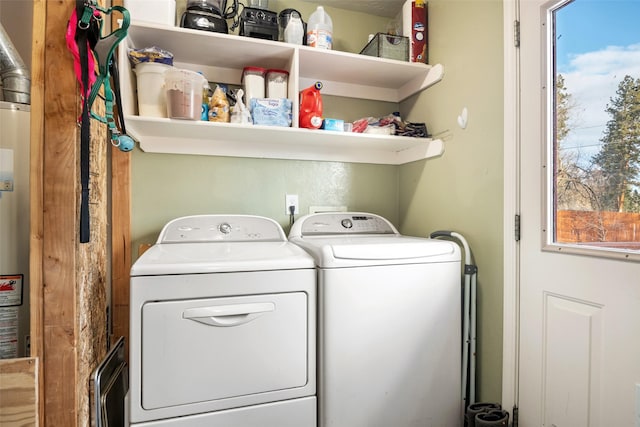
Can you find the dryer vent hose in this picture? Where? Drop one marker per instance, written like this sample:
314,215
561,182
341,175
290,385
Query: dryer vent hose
14,76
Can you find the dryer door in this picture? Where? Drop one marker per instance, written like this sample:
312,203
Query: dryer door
209,349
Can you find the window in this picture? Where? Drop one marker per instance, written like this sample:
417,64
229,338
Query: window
595,194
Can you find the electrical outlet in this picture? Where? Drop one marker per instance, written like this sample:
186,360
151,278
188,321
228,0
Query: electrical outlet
291,200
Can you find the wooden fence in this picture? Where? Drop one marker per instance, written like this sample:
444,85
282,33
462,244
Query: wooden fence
592,227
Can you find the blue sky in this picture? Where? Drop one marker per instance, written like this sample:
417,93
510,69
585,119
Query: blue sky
598,43
589,25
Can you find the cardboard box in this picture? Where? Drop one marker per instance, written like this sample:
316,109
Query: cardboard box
333,124
414,26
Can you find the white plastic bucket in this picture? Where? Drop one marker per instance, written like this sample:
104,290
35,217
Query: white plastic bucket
151,94
161,12
184,94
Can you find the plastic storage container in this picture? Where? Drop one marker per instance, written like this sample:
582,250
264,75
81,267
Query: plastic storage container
253,83
277,83
320,29
151,95
184,94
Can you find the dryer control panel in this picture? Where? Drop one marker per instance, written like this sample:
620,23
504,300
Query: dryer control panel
222,228
337,223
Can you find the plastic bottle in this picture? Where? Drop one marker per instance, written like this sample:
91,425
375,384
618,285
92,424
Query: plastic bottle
294,31
311,107
206,89
320,29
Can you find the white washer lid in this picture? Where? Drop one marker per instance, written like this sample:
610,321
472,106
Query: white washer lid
354,239
354,251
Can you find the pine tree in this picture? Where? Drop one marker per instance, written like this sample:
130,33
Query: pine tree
619,157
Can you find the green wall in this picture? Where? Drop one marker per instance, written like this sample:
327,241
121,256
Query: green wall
463,190
460,191
168,186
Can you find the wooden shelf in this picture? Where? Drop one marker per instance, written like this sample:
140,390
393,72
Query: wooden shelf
221,58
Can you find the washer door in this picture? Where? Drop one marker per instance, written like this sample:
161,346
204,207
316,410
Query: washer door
209,349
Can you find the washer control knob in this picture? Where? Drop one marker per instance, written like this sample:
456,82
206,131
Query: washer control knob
224,228
346,223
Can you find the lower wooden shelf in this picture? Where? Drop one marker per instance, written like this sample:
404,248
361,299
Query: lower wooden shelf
159,135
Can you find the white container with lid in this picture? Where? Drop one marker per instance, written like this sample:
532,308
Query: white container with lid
151,94
253,83
320,29
277,82
155,11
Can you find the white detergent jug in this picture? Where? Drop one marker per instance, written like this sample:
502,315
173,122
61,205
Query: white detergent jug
320,29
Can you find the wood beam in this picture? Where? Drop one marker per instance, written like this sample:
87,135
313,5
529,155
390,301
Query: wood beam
68,278
120,237
36,176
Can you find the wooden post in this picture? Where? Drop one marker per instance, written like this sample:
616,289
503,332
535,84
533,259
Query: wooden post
120,238
68,286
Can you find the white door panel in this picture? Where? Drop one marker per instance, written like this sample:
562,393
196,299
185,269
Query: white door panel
579,354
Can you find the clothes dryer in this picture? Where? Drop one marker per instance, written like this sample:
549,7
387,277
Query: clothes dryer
223,322
389,316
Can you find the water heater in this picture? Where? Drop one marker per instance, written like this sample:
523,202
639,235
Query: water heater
14,229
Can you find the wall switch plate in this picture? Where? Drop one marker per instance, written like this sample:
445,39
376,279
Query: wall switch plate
291,200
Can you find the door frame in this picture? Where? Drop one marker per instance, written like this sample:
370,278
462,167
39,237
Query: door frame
511,206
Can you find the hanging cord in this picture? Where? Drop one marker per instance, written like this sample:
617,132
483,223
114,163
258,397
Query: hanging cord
235,12
292,210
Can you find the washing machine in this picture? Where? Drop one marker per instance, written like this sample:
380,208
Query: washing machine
222,327
389,323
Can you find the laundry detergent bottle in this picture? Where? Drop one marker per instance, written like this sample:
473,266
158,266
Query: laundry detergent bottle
311,107
320,30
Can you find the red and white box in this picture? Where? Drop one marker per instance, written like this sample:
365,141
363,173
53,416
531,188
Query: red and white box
414,26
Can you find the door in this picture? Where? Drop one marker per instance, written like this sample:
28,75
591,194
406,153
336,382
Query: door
216,349
579,318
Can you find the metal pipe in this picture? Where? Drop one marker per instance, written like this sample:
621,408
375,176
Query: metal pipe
14,76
